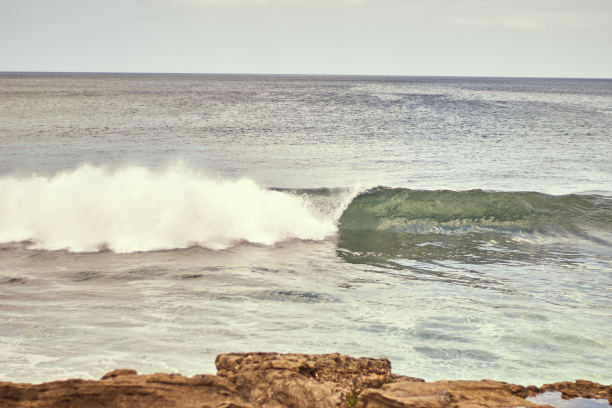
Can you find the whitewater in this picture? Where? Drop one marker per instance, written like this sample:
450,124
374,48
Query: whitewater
461,227
134,209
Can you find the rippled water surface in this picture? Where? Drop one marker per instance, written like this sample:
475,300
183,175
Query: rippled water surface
460,227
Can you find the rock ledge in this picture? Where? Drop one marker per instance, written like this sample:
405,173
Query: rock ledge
272,380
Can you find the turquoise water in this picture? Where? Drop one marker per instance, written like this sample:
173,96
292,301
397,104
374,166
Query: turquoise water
460,227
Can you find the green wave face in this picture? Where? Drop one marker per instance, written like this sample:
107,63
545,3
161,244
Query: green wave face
385,209
476,225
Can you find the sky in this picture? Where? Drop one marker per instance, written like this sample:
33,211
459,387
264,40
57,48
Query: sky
518,38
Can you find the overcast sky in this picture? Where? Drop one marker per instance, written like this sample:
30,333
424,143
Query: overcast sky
551,38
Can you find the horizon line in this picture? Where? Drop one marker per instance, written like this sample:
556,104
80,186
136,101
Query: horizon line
299,74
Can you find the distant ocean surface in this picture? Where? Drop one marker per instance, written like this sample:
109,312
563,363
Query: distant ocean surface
461,227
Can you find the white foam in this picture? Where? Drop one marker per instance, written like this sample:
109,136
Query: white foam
137,209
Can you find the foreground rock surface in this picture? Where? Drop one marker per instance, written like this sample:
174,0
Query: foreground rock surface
271,380
485,393
123,388
300,380
580,388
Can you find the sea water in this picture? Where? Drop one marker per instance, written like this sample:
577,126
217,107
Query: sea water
461,227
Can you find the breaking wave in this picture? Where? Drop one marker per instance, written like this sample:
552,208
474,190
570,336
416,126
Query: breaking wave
136,209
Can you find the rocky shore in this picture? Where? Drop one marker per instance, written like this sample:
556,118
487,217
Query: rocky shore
272,380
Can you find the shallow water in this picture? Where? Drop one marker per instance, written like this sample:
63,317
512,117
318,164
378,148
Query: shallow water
270,235
554,399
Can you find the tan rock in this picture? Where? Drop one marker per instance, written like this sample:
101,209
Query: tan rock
273,380
445,394
118,372
125,389
580,388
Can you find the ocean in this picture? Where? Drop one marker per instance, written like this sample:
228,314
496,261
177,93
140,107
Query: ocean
460,227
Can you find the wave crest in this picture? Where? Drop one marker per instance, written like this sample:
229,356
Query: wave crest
469,227
402,210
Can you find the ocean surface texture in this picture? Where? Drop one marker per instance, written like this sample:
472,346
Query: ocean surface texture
461,227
